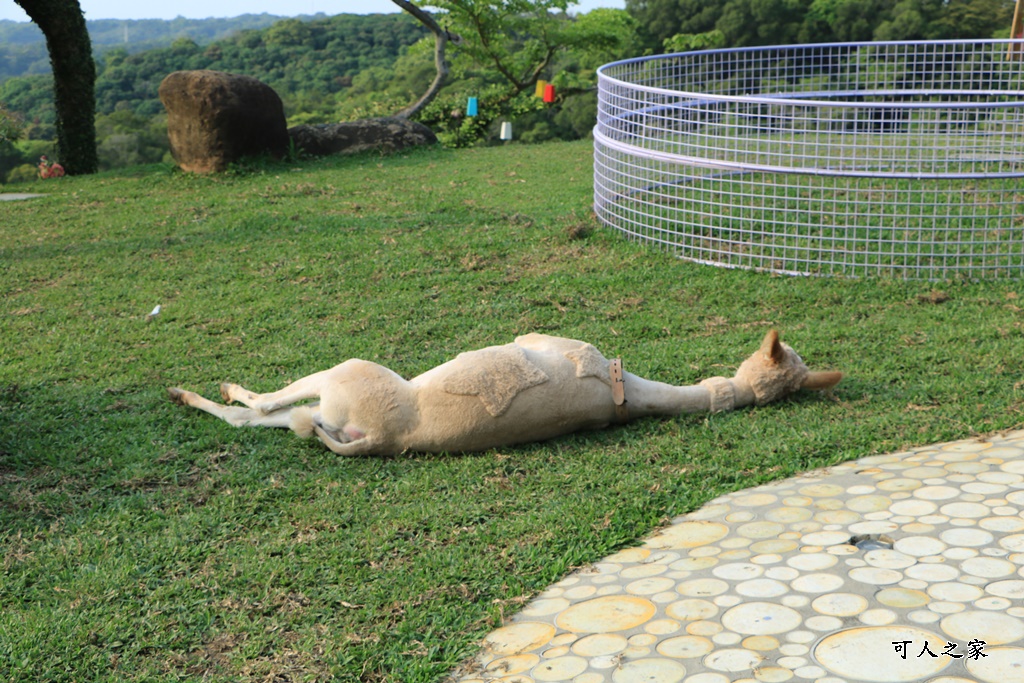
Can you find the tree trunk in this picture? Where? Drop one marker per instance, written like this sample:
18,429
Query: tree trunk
74,80
441,38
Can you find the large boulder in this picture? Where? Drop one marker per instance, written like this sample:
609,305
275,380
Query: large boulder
216,118
388,134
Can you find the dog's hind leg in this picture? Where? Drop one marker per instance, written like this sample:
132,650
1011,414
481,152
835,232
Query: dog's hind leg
300,390
236,415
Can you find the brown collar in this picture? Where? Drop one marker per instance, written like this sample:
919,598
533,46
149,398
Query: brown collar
618,390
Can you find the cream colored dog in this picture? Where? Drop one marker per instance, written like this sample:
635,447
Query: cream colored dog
536,388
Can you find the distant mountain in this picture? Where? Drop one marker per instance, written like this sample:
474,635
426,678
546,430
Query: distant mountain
23,48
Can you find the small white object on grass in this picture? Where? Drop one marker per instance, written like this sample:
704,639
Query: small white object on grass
154,313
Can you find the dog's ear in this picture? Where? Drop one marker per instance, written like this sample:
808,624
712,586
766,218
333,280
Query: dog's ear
772,349
821,380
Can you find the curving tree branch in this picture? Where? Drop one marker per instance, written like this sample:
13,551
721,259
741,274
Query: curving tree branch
441,38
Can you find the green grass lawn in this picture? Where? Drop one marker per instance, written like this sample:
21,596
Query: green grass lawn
142,541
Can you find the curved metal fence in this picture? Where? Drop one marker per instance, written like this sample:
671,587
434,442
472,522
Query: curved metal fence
898,159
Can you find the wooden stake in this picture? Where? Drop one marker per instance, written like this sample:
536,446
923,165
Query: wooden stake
1016,32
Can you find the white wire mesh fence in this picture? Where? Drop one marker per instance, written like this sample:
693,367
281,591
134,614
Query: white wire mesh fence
896,159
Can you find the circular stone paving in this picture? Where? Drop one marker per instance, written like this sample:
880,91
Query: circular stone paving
848,654
767,585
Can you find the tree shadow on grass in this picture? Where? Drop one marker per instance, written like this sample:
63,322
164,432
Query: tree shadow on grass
72,450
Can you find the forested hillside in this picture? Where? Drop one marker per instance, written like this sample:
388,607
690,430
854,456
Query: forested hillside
292,56
772,22
344,67
307,62
23,48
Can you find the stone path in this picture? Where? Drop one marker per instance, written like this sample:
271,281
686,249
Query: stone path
892,568
17,196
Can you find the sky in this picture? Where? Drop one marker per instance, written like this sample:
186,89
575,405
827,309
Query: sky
201,9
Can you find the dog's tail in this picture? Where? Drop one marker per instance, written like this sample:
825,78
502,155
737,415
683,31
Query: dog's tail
302,422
